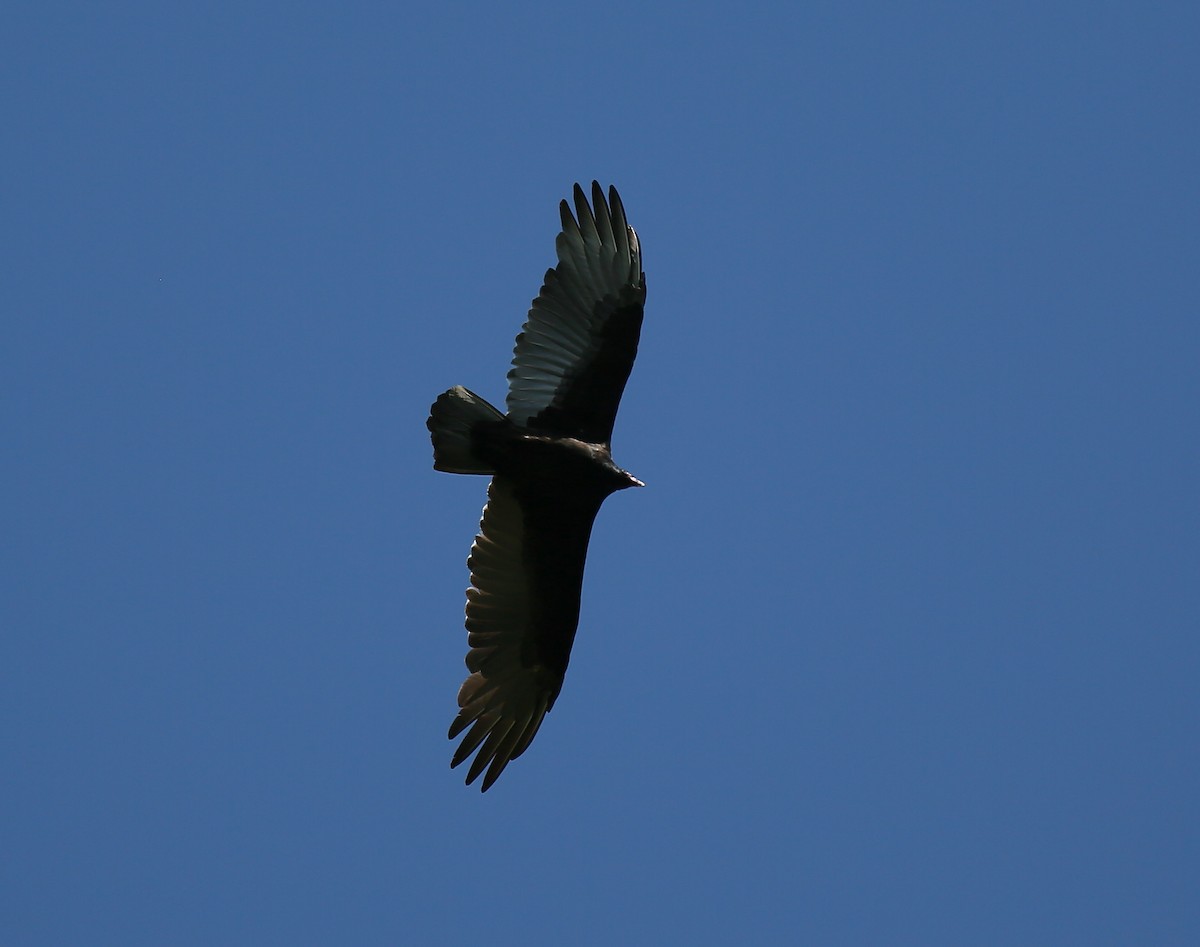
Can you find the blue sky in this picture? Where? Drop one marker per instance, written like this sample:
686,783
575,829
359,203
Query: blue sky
899,645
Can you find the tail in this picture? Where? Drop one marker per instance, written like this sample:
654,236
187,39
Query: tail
451,420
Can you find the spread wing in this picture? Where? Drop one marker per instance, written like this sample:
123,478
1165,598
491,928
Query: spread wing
522,611
575,352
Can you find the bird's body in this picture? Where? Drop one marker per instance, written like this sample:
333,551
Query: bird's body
551,466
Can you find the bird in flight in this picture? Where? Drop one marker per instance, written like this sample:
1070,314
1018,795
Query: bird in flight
551,467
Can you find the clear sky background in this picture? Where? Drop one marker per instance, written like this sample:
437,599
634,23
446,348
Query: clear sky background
898,646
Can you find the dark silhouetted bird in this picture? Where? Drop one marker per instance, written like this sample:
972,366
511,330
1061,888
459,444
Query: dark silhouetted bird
551,468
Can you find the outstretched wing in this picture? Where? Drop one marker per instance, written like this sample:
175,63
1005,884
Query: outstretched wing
574,353
522,611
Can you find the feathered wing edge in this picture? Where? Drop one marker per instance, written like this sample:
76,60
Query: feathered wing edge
599,275
502,700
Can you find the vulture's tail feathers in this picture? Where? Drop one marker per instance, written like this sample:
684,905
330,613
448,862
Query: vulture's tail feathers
452,419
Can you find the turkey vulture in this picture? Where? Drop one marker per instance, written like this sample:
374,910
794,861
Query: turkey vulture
551,468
